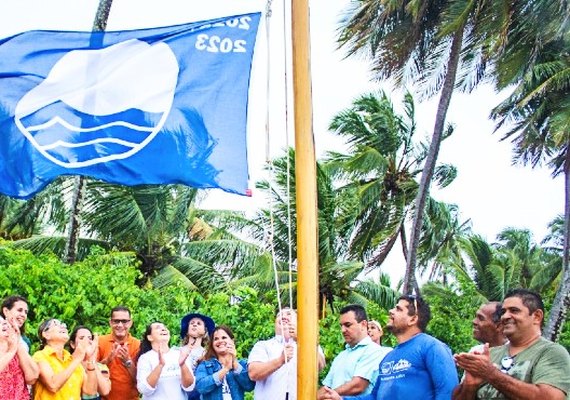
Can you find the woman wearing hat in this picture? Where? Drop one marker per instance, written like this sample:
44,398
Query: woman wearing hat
195,332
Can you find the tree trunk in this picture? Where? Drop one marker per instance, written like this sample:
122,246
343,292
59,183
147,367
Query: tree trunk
404,242
74,225
562,299
423,191
102,15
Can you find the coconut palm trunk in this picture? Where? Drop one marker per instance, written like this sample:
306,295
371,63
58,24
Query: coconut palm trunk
427,174
74,225
562,300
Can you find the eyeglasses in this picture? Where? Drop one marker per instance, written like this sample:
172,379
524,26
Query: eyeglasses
54,322
507,363
120,321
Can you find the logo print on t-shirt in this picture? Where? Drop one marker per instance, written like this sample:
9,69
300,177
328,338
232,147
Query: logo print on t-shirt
390,367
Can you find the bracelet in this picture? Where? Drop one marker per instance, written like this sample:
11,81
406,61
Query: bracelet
90,369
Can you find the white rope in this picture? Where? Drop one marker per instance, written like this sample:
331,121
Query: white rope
268,15
287,145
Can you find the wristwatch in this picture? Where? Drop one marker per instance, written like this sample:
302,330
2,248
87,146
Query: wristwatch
128,363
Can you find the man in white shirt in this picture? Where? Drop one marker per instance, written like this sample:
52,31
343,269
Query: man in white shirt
272,363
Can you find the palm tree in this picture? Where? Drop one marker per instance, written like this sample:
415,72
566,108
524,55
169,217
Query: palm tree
428,42
405,39
513,260
70,255
380,167
539,113
171,238
440,245
338,269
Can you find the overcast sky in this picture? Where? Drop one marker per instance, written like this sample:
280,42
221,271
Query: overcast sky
488,189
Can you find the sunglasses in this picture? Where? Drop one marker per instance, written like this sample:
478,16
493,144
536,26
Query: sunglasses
54,322
414,298
507,363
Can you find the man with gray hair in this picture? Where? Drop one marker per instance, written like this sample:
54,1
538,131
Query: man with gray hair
272,363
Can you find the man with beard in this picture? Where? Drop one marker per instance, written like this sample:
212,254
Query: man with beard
118,351
527,367
354,369
420,366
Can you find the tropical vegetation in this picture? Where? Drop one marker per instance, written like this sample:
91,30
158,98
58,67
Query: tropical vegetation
153,248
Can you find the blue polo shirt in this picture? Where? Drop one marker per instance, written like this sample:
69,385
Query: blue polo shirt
362,360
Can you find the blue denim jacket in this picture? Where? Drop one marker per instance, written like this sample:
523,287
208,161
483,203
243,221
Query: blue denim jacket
210,387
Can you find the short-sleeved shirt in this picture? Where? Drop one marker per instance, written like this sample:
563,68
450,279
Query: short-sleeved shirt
123,386
281,381
542,362
12,381
419,368
71,389
169,386
361,360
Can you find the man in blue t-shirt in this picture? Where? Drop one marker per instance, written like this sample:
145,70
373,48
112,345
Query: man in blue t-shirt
420,366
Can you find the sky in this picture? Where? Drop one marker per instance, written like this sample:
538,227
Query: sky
489,190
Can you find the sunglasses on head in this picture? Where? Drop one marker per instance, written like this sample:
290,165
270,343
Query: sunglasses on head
54,322
413,298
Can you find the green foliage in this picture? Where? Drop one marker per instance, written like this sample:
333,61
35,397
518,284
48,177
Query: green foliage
85,292
452,314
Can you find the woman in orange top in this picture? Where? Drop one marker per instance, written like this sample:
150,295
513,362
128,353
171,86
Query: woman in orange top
62,376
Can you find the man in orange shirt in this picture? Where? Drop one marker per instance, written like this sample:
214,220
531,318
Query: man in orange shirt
118,351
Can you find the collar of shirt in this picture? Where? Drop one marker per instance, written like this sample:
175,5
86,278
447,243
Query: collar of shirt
52,352
125,340
281,339
364,342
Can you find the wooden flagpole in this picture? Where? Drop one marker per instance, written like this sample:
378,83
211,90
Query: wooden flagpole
306,192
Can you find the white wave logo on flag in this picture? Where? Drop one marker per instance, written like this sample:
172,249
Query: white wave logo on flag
89,108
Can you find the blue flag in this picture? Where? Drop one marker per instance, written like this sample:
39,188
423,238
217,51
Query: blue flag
152,106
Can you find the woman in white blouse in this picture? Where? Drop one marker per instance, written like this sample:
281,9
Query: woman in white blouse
163,372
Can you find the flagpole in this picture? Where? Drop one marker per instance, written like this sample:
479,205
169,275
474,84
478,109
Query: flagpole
306,196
